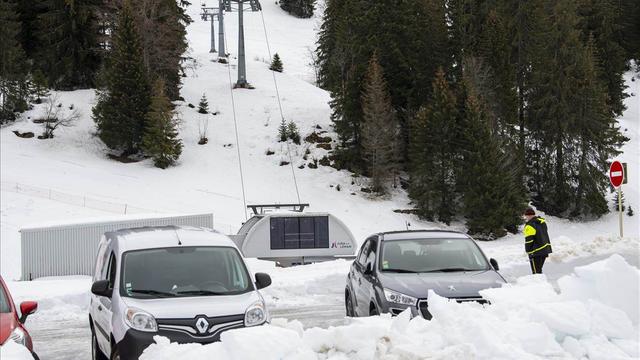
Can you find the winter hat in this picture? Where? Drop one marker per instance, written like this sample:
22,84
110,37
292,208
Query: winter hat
529,211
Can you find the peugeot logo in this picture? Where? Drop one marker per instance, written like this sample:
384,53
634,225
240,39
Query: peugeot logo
202,325
452,288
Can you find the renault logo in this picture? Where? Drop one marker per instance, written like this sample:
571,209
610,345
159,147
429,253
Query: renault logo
452,288
202,325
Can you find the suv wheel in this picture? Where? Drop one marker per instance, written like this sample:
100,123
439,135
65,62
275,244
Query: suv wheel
348,304
373,311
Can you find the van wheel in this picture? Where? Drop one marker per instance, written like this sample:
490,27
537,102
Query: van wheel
115,354
96,354
348,304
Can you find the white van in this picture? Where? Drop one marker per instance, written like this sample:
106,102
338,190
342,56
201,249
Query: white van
186,284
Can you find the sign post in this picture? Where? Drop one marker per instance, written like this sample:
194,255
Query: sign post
616,176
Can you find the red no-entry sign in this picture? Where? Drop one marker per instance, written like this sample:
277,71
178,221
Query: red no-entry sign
616,174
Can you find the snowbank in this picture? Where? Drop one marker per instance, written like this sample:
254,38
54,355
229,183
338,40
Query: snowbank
594,315
14,351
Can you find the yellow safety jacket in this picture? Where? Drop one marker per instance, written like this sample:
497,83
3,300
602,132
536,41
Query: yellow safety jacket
536,237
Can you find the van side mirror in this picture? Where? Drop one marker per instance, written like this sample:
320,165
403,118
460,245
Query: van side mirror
369,269
494,263
27,308
262,280
101,288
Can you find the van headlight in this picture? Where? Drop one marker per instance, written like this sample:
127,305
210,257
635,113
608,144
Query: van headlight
19,336
398,298
256,314
140,320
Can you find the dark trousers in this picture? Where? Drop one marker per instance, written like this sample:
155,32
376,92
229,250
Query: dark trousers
536,263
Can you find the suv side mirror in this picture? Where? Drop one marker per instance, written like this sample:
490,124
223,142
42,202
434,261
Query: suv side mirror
369,269
27,308
101,288
494,263
262,280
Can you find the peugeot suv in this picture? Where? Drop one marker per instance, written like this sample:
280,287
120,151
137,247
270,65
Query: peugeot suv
395,270
186,284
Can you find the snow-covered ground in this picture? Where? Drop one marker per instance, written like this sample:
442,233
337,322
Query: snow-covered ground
595,314
207,179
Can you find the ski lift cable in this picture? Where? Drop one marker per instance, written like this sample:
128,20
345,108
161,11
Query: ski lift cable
275,83
235,124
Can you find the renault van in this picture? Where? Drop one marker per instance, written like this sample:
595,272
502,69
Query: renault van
186,284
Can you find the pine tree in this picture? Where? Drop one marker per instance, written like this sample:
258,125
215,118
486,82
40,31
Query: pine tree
629,211
160,140
203,125
602,24
203,106
293,133
299,8
162,29
379,130
276,63
40,85
615,201
123,103
283,132
490,198
68,48
432,154
13,66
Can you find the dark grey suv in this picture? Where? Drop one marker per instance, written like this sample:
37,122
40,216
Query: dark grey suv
395,270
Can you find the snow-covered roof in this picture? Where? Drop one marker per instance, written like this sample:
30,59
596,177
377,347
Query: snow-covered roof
168,236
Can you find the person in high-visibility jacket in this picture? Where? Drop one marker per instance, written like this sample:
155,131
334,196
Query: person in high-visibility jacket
536,243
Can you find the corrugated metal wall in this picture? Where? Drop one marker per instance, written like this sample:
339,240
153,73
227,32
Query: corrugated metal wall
71,249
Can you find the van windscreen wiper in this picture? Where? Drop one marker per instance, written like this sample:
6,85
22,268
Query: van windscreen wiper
199,292
152,292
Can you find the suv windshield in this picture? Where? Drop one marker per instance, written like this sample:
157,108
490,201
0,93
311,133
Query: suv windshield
4,302
431,255
183,271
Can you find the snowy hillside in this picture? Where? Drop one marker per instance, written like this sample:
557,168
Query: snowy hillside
207,177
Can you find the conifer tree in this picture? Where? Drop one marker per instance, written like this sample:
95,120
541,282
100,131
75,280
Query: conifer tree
379,130
203,106
276,63
490,199
433,153
293,133
615,201
203,125
68,48
40,85
123,102
299,8
283,132
160,140
13,67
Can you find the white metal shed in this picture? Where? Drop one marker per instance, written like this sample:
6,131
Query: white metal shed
70,249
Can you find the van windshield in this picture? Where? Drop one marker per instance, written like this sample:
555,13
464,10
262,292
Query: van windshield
431,255
183,271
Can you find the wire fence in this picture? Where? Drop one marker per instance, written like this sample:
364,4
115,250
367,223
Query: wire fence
93,203
74,199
